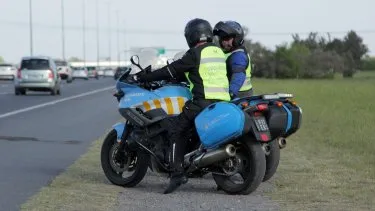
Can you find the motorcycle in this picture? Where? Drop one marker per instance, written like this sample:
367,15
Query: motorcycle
227,139
271,148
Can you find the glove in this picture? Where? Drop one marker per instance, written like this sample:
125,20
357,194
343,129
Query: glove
139,77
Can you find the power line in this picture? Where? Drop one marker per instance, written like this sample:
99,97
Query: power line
151,31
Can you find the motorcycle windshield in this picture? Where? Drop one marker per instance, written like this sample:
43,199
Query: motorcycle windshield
147,56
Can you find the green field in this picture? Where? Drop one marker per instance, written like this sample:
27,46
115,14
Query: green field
329,164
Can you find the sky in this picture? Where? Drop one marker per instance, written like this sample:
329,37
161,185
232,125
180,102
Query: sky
145,23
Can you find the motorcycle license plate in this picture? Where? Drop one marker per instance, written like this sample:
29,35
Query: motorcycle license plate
260,128
261,124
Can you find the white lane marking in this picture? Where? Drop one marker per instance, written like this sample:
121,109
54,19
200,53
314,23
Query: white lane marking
54,102
4,93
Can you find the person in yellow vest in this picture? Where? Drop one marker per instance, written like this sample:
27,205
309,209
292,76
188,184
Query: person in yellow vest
231,39
203,65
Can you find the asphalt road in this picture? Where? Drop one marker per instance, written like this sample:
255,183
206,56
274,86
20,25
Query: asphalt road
41,135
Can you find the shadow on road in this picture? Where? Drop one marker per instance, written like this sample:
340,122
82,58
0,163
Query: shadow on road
20,138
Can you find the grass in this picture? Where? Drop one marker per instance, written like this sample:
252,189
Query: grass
82,187
329,164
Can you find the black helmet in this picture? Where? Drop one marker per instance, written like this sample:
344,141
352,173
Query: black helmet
198,30
230,29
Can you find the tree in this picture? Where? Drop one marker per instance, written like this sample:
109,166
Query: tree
323,64
1,60
353,44
352,49
336,45
260,58
312,42
299,53
285,64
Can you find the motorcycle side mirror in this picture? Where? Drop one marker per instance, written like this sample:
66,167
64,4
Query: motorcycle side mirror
134,60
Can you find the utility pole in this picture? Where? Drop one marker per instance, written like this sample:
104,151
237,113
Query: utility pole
31,26
118,37
125,42
84,32
62,30
97,34
109,32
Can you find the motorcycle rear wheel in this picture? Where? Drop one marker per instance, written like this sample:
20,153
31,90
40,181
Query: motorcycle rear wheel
272,160
115,166
253,166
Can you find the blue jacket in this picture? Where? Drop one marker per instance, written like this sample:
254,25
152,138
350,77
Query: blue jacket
236,66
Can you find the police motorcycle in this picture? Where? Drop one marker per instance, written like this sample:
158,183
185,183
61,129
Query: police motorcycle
226,140
281,116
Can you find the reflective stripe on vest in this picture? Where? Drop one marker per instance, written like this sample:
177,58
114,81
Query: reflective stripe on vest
212,70
247,83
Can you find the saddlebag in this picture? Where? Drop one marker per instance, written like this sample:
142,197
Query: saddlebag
219,123
283,121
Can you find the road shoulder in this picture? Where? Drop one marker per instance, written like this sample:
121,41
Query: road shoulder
83,186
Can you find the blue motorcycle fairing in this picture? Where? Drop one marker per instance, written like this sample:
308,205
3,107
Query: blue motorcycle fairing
120,129
134,95
173,91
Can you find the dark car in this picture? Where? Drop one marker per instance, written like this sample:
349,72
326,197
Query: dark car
121,70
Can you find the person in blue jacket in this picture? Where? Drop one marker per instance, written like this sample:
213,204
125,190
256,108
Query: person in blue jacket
231,39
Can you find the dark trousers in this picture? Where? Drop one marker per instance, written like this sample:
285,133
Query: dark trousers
180,126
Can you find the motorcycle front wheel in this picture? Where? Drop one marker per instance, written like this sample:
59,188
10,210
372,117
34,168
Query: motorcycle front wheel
122,167
248,168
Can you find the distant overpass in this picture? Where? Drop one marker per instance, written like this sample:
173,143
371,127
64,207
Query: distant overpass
161,62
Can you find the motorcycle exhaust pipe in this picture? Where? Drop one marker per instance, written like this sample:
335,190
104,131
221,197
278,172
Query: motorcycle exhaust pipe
209,158
282,143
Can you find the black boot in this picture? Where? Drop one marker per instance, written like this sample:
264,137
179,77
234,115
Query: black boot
176,181
178,176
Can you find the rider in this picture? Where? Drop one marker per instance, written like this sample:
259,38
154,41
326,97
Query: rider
231,39
204,66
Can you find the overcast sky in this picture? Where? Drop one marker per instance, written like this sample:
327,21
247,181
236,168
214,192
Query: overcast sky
161,23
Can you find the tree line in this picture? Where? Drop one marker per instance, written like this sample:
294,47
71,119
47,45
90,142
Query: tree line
313,57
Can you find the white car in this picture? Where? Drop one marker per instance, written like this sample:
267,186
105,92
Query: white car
109,73
37,73
100,72
80,72
8,71
64,71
